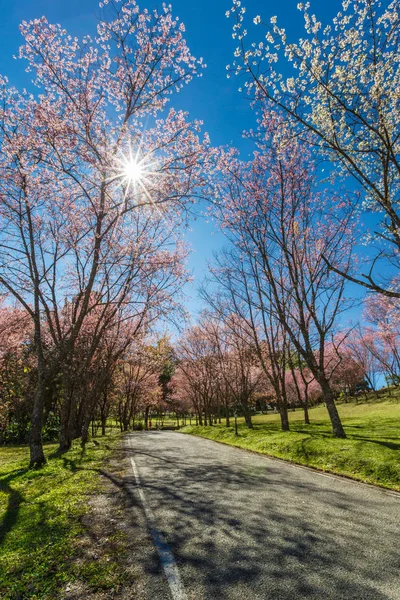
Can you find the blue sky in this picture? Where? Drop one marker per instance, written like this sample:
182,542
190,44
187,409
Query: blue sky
212,98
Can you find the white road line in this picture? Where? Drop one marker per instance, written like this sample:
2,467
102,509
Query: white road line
164,552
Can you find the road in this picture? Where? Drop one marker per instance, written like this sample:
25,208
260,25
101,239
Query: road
233,525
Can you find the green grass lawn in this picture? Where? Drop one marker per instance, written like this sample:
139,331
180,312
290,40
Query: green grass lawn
371,452
41,515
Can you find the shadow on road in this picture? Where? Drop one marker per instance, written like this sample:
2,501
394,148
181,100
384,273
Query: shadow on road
244,527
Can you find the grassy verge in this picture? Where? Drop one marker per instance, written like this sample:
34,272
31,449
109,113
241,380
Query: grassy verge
371,452
42,522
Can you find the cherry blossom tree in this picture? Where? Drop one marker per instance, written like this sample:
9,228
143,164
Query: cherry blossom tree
184,392
15,369
339,85
362,347
167,360
301,386
135,373
240,373
198,364
236,295
344,371
280,227
89,196
381,338
218,368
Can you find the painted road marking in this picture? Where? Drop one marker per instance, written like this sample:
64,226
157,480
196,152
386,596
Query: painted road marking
164,552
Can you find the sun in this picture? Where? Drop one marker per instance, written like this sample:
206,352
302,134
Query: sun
133,172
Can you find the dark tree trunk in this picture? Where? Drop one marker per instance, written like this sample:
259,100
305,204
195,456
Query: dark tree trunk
65,436
247,415
329,399
146,417
85,433
372,386
227,420
37,458
306,415
103,413
284,416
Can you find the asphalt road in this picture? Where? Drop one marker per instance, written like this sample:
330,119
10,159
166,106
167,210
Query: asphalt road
241,526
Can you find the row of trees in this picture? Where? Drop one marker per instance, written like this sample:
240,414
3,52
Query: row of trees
125,377
215,369
221,369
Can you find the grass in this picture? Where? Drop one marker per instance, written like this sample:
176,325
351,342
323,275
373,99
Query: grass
42,519
371,452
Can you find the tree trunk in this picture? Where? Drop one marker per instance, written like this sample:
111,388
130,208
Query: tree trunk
65,437
85,433
227,421
337,426
306,415
37,458
284,417
247,415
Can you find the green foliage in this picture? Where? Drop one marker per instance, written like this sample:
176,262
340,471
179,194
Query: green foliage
51,428
41,518
371,452
15,432
165,355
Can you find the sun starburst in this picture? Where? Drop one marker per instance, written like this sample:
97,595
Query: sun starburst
134,171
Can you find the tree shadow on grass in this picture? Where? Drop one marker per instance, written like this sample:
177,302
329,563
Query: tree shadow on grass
313,434
390,445
58,453
15,500
68,463
71,464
